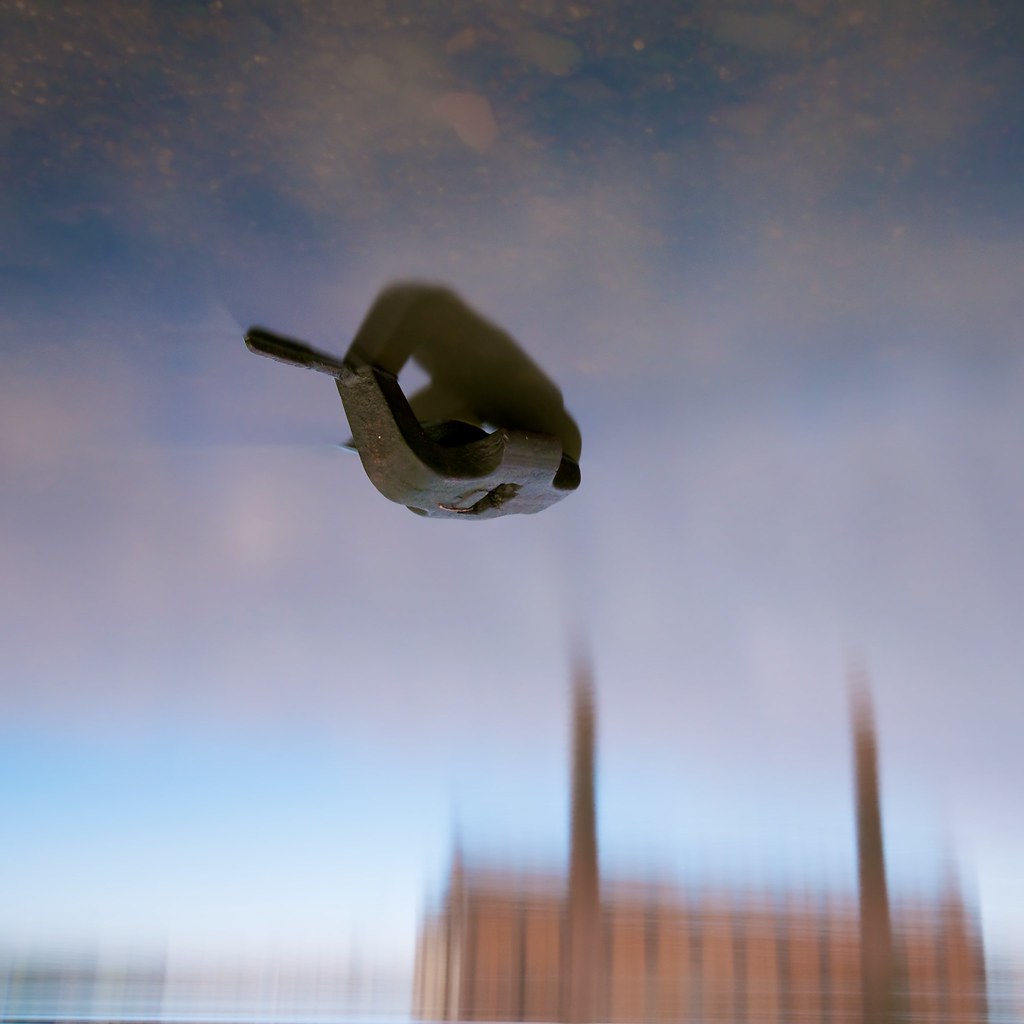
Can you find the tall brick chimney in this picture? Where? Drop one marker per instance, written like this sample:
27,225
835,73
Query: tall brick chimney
877,967
580,966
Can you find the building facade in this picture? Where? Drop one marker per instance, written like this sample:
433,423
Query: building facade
545,948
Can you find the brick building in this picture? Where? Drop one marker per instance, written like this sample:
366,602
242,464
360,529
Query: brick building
546,948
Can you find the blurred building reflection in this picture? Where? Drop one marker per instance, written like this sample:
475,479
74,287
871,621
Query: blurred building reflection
508,946
88,988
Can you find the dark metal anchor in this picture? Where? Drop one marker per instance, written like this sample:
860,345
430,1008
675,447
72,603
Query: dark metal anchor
441,466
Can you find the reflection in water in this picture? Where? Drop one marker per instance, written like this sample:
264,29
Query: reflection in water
507,946
431,452
767,249
90,989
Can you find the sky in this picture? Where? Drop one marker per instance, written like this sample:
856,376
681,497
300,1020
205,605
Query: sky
770,254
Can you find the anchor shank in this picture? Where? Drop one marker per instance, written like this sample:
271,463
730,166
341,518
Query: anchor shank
295,353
